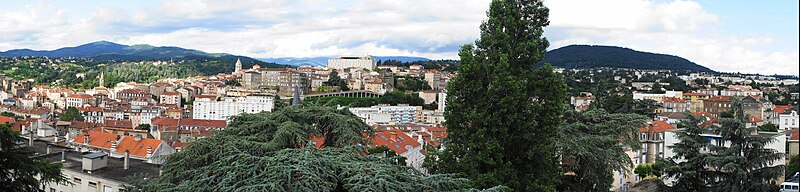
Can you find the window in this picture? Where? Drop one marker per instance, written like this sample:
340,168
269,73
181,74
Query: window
52,190
76,180
92,184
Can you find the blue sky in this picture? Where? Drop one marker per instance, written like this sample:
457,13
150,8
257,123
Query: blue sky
730,35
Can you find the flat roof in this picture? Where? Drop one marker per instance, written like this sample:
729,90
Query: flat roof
94,155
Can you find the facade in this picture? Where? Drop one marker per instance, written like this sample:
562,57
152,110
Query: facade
652,138
401,144
673,104
695,101
79,100
367,62
283,80
170,98
716,105
789,119
402,114
794,144
150,150
206,108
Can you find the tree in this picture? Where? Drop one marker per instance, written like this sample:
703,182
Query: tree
688,166
273,152
335,80
71,114
503,113
769,127
744,165
8,114
593,145
20,172
385,152
793,166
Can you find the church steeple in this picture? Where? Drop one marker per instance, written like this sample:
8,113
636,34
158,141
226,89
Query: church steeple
238,66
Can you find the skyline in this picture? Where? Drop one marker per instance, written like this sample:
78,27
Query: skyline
725,36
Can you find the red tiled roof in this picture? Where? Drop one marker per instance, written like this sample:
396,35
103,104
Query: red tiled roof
173,93
170,122
318,142
7,120
755,120
673,100
695,94
119,124
781,108
706,116
795,136
80,96
100,139
137,148
86,109
438,132
396,140
17,127
656,127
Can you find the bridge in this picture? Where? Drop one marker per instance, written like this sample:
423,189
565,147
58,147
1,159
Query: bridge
359,93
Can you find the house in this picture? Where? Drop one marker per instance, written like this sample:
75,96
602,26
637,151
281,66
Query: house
581,102
794,144
717,105
789,119
674,104
401,144
151,150
673,118
80,100
652,137
92,114
171,98
184,129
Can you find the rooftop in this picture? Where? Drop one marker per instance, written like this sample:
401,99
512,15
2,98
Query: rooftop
113,171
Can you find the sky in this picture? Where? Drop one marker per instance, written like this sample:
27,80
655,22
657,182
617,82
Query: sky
725,35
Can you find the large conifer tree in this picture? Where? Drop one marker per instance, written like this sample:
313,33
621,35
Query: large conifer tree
503,112
688,166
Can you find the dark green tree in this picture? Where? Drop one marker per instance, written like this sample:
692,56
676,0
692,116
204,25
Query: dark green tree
503,112
385,152
71,114
8,114
746,164
335,80
273,152
793,166
593,145
769,127
20,172
688,166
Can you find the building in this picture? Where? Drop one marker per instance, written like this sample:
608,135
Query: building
716,105
93,171
151,150
283,80
673,104
789,119
401,114
170,129
794,144
170,98
695,101
653,143
80,100
367,62
401,144
582,102
92,114
207,108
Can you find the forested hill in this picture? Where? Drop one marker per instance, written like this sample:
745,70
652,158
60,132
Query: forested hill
104,50
590,56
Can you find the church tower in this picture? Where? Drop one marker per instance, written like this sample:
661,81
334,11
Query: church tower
238,66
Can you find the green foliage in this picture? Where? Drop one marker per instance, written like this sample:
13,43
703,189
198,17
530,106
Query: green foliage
625,103
769,127
71,114
8,114
385,152
745,164
20,172
793,166
643,170
272,152
390,98
503,113
688,166
592,56
593,143
335,80
409,83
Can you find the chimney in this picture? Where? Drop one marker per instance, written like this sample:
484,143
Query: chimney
393,135
86,139
114,145
127,158
48,148
137,137
63,155
149,150
30,138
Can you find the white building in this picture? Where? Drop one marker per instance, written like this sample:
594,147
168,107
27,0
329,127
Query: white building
442,101
207,108
789,119
387,114
352,62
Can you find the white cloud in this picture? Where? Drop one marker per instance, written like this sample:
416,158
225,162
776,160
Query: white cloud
429,28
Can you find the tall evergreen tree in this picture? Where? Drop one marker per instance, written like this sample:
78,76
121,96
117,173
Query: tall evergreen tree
71,114
745,165
503,113
688,166
594,145
20,172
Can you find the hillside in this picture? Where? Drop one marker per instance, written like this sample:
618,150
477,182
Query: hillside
105,50
590,56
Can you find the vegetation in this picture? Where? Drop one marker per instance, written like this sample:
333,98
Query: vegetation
71,114
793,166
688,166
769,127
590,56
20,172
272,152
409,83
335,80
593,145
502,113
625,103
390,98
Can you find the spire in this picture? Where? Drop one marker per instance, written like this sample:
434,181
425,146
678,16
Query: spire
102,75
238,66
296,97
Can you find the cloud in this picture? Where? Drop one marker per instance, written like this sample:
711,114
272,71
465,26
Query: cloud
428,28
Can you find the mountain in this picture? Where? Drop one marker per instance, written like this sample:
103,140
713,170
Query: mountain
322,61
105,50
589,56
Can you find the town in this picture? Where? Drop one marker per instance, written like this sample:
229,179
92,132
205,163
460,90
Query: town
145,122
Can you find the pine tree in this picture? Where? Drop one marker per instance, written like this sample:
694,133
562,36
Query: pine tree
688,166
745,165
503,113
594,143
20,172
71,114
273,152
